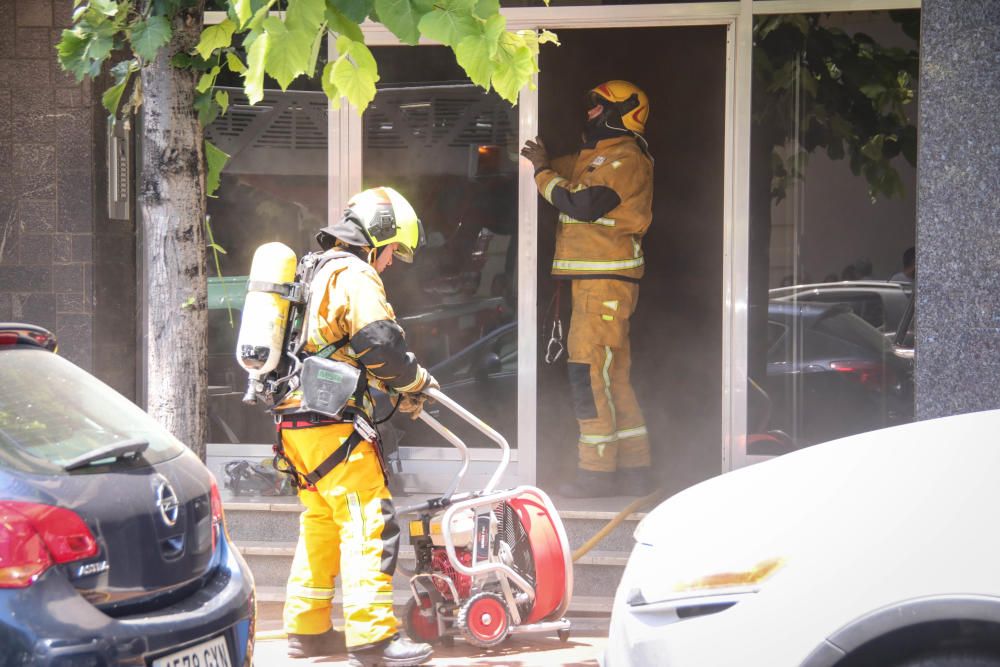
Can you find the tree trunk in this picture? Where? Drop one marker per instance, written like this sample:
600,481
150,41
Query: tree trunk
172,204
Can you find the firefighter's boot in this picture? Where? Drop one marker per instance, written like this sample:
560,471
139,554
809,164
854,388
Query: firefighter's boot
635,481
395,652
590,484
328,643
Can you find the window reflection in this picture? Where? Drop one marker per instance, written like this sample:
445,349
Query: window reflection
451,150
832,218
274,188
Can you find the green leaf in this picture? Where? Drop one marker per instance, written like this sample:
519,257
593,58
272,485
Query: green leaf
71,48
355,73
207,109
124,69
182,60
402,17
207,79
253,78
106,7
317,44
98,49
244,11
215,246
342,25
260,16
515,65
548,37
222,99
450,22
113,95
355,10
329,87
872,90
215,161
166,8
475,54
235,64
305,15
215,37
486,9
873,148
288,51
188,303
149,36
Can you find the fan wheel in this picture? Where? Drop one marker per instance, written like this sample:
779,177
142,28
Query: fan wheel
420,619
484,620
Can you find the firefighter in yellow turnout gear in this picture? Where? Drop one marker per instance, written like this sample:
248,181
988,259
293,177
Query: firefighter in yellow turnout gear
349,526
604,196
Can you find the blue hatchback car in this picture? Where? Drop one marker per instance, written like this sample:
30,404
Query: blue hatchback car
113,545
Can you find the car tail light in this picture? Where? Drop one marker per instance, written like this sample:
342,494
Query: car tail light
218,518
34,536
868,373
22,336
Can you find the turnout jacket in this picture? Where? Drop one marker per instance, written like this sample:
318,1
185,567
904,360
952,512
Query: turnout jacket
347,300
604,195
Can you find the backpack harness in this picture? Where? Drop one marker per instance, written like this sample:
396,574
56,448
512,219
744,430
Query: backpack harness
364,427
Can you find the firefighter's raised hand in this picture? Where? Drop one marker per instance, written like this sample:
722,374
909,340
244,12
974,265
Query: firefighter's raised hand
413,402
536,153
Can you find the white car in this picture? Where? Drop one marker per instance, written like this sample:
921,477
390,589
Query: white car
878,549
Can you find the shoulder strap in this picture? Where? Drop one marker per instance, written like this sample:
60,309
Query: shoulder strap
327,351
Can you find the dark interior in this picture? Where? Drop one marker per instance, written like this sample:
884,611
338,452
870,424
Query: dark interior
677,329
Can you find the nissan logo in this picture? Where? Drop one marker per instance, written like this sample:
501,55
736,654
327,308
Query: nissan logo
166,501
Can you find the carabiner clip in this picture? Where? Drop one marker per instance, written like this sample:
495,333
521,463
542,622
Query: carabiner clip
555,347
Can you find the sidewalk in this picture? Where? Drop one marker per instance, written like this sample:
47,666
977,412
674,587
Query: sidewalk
586,644
515,652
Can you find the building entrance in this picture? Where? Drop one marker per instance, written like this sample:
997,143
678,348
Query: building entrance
676,331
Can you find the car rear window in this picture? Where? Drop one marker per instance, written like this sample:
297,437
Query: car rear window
52,412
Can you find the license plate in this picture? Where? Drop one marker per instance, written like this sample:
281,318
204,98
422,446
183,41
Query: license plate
213,653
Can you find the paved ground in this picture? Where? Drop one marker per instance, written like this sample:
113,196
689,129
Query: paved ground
536,652
587,642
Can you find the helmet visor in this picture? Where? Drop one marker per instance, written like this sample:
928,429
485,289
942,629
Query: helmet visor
404,252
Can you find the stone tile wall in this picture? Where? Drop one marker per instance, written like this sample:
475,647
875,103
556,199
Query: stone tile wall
53,220
958,209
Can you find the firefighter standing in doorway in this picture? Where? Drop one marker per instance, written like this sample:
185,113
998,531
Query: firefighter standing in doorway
604,195
349,525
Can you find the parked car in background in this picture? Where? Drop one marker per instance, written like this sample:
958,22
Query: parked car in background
113,547
881,303
877,549
831,374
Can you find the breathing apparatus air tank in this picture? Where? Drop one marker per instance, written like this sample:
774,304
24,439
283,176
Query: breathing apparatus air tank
265,312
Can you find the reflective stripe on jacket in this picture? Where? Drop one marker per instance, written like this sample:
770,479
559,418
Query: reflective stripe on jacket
605,198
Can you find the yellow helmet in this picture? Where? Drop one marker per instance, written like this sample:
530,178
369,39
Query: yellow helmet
377,217
627,99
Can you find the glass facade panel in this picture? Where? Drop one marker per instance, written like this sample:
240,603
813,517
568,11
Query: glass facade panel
274,188
451,150
832,206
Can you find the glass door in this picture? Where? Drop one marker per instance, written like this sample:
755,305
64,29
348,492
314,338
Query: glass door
452,150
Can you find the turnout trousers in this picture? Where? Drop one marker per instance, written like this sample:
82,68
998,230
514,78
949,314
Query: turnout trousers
348,528
612,429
